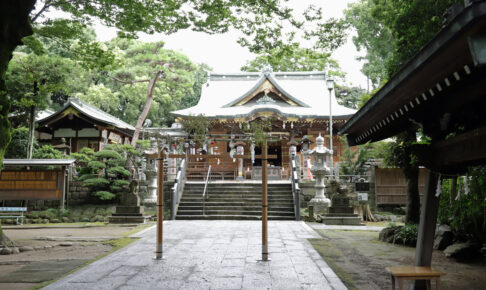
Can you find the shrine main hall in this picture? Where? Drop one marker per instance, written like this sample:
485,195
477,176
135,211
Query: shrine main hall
294,105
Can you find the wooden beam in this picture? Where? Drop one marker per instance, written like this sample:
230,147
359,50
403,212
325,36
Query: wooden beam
428,220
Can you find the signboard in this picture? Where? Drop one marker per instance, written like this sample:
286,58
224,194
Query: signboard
31,185
362,186
362,196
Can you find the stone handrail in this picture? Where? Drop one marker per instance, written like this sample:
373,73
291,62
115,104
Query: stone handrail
178,188
294,177
205,187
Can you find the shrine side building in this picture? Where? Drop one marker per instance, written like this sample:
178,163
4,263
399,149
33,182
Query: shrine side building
295,104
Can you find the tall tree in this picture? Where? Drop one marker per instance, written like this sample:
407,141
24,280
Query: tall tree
394,31
261,22
373,37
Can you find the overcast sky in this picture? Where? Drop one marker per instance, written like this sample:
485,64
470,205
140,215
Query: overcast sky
223,54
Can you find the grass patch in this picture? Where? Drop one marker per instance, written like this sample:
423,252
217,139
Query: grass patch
331,255
137,229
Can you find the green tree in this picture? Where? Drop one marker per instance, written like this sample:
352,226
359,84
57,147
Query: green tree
353,161
169,75
393,32
295,58
260,21
17,148
373,37
31,79
349,96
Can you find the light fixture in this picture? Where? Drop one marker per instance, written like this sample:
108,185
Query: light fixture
330,84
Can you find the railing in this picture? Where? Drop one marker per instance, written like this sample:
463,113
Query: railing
295,188
178,188
204,192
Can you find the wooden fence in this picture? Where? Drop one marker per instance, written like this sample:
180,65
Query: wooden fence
31,185
391,186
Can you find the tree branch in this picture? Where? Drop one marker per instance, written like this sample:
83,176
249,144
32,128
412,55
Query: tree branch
130,82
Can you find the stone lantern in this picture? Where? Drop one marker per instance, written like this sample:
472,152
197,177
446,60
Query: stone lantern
151,173
306,142
320,202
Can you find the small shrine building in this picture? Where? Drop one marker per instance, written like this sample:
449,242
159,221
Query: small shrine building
295,104
80,125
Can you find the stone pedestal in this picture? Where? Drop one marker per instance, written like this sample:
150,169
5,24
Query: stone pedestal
130,211
341,212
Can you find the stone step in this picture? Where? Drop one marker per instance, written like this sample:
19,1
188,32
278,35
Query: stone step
230,217
212,203
236,208
233,212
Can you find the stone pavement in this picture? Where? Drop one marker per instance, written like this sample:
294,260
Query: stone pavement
211,255
319,226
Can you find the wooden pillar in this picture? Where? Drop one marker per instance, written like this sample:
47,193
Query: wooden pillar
264,203
428,221
160,206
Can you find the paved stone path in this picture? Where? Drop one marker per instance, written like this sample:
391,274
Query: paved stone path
212,255
319,226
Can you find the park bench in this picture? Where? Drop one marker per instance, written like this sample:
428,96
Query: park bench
13,213
401,273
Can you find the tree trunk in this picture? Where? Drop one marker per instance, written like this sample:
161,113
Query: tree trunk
30,144
413,205
146,109
411,172
14,24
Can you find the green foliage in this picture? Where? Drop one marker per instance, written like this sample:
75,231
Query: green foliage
108,153
96,182
197,127
96,164
467,214
84,156
353,161
18,146
295,58
349,96
104,195
118,170
47,152
258,129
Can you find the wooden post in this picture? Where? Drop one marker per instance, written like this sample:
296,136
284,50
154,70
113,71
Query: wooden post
428,220
64,183
160,206
264,203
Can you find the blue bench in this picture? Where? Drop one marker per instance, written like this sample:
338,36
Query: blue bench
13,213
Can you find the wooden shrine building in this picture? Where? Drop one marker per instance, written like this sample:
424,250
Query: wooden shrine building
82,125
443,92
295,104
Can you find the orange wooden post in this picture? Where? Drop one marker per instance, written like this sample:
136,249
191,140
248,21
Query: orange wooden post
160,206
264,203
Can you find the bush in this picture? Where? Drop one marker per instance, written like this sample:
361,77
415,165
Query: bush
105,173
405,235
466,215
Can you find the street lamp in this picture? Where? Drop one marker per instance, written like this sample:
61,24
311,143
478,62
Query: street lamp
330,87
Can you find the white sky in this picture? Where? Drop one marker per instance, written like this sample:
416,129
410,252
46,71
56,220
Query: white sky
223,54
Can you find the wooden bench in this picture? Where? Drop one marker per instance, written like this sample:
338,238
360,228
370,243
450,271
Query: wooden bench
13,213
401,273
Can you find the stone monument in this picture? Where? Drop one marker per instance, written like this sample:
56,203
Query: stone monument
129,211
320,202
341,212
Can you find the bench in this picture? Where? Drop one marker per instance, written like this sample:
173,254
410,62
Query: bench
13,213
401,273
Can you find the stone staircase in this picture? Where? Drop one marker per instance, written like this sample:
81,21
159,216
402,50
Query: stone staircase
236,201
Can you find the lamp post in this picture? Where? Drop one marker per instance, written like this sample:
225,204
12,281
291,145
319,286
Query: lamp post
330,87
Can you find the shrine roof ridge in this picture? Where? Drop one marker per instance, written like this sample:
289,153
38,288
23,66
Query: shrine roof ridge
310,75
